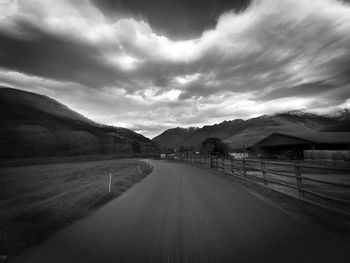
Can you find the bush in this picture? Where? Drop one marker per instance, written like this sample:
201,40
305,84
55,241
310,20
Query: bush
214,146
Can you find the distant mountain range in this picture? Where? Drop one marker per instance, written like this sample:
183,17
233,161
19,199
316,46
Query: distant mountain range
33,125
173,138
240,133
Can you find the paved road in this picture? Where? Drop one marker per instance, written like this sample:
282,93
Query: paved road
181,213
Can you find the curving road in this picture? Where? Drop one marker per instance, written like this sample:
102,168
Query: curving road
181,213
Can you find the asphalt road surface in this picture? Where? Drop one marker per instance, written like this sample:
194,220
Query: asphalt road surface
181,213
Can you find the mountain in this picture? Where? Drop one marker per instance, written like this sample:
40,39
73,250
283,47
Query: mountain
240,133
344,126
173,138
343,116
257,128
222,131
33,125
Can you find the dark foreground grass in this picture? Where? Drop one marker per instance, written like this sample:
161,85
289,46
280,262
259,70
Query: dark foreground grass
73,159
37,200
332,223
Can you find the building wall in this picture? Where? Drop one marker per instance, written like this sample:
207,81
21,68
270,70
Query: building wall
284,151
279,140
326,155
279,146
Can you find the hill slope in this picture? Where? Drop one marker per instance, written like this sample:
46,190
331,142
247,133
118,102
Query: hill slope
257,128
242,133
343,124
173,138
33,125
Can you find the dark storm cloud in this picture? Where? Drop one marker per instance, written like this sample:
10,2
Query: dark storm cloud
176,19
334,94
43,54
184,63
304,90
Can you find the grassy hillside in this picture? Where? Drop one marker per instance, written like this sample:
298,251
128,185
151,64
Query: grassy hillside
21,105
344,126
285,122
33,125
222,131
242,133
173,138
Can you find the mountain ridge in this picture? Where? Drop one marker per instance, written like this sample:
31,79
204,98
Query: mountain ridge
177,134
34,125
238,133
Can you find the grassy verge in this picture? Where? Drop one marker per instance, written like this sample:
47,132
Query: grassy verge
336,225
72,159
37,200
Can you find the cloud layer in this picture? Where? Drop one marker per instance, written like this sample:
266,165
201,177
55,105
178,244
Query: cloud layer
273,56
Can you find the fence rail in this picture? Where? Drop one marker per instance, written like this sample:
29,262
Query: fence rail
323,185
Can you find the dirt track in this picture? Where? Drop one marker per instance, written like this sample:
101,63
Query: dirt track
181,213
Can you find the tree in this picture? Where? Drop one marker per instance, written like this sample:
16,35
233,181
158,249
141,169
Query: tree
184,149
136,146
214,146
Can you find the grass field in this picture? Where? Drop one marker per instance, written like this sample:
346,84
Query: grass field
73,159
37,200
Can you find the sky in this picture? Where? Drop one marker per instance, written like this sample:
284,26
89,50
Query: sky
159,64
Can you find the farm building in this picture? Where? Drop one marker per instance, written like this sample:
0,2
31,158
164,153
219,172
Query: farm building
301,145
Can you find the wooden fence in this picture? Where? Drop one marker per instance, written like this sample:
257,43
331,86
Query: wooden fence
322,185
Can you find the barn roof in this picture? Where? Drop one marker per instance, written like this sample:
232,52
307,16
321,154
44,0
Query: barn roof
315,137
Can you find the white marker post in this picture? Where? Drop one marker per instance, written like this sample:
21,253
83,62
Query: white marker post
138,167
110,184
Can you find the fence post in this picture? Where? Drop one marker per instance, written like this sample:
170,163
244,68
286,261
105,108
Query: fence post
244,169
233,165
299,179
138,167
263,172
110,185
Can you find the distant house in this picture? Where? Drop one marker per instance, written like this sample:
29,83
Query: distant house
238,155
300,145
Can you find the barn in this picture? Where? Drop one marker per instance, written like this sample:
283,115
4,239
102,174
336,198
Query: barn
301,145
